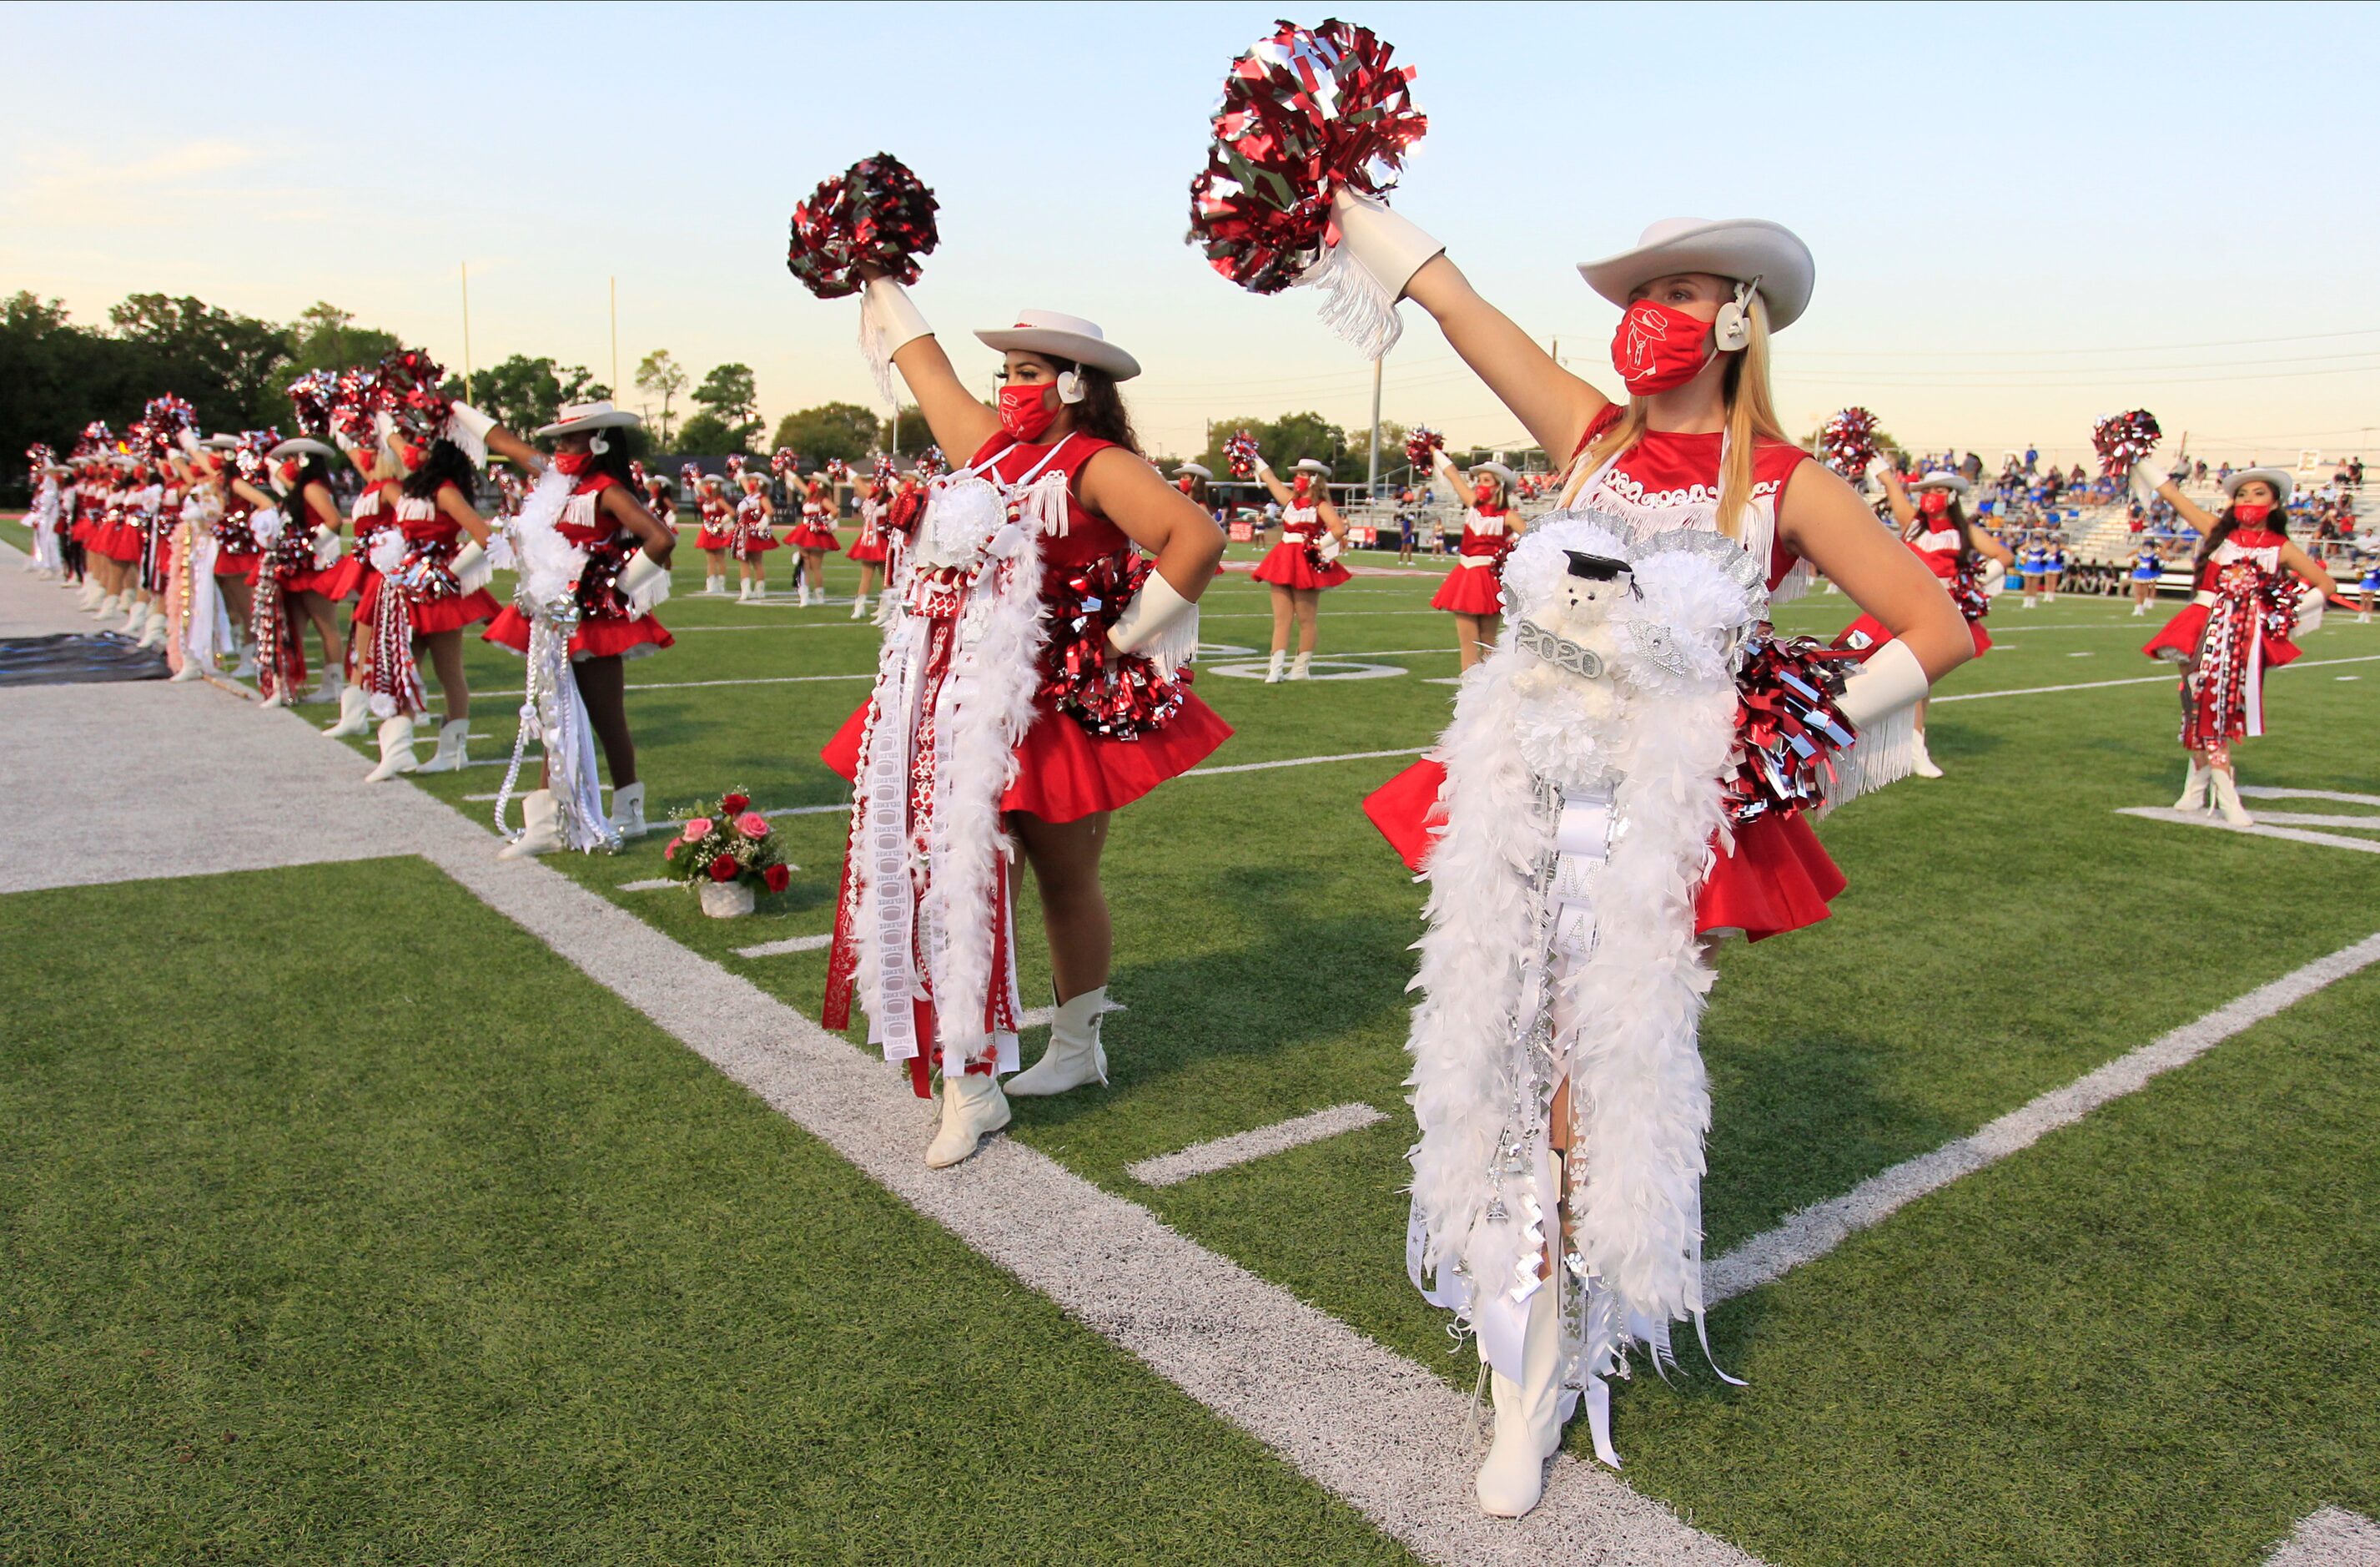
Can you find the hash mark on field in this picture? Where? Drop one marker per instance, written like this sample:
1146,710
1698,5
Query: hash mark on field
2253,829
654,885
1814,1230
1221,1153
2268,792
2135,680
1303,761
790,944
808,810
2331,1537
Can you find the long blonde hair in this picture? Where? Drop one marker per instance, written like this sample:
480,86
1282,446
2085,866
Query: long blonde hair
1751,416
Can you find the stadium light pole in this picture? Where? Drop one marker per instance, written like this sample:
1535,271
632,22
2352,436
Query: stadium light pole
615,338
467,330
1372,479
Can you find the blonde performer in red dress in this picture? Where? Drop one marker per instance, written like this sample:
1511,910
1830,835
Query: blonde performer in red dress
715,533
873,493
1474,591
814,538
753,532
1027,577
1303,564
2237,625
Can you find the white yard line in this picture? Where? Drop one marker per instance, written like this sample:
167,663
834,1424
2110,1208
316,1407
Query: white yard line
2314,818
2267,792
844,807
2136,680
1301,761
654,885
2254,829
1813,1232
790,944
1221,1153
2332,1538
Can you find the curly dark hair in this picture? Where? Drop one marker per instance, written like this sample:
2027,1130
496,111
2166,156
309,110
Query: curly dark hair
1101,412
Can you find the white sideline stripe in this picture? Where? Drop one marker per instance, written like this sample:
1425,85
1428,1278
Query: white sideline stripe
654,885
696,684
2253,829
2267,792
2138,680
1221,1153
844,807
790,944
1303,761
1812,1233
2313,819
2330,1538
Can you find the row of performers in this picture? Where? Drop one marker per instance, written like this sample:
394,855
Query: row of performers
738,521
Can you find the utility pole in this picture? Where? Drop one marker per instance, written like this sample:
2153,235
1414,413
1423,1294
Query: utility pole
1372,481
615,338
466,331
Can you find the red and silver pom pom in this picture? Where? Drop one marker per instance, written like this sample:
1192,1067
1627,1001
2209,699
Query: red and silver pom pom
163,422
876,214
1239,455
786,463
1422,444
837,470
248,457
1847,442
1306,114
932,463
354,409
689,475
2122,440
735,466
886,471
409,381
1115,696
1789,728
312,398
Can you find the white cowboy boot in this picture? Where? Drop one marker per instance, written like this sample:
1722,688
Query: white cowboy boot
973,1108
1528,1416
803,593
280,697
326,690
2028,602
744,591
152,631
1272,669
107,606
1075,1056
2225,790
540,828
859,606
395,748
191,670
355,712
1920,763
627,818
1302,668
246,669
87,596
2193,788
449,757
136,613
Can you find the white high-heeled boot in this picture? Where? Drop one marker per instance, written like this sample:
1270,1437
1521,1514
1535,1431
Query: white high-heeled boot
1528,1416
153,630
973,1109
354,713
1273,669
395,748
540,827
1920,763
2193,788
136,613
86,593
107,606
2225,790
1075,1056
325,690
744,591
1302,667
859,606
449,755
628,814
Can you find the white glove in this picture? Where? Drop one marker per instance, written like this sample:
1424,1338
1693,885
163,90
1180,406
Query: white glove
644,583
1388,247
1877,467
265,524
2310,604
1328,548
326,546
2144,478
1159,622
1264,468
1994,574
189,439
1891,680
470,421
470,567
887,320
388,553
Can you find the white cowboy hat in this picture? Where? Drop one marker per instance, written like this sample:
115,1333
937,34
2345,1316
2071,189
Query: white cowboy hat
220,442
1054,335
1194,470
577,417
2278,478
1312,464
1738,248
301,446
1942,480
1502,473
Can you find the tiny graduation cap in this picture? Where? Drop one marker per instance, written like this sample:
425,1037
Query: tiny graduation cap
1602,568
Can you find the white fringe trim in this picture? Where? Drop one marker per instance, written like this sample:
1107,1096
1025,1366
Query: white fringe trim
1356,305
1886,752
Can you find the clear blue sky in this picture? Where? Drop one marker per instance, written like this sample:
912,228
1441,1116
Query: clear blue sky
2023,215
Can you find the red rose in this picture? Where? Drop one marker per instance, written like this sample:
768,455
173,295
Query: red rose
778,877
723,868
730,804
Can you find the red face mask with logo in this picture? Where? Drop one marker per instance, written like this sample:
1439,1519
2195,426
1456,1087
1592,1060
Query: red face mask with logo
1301,485
573,463
1935,502
2252,513
1022,413
1483,493
1657,348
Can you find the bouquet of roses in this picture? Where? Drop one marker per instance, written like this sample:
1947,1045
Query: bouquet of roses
732,844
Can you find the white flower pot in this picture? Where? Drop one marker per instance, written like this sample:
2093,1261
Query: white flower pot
725,900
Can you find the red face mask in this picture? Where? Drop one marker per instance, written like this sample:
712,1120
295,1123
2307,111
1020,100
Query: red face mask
288,475
1935,502
1301,485
573,463
1483,493
2252,513
410,456
1657,348
1185,483
1022,413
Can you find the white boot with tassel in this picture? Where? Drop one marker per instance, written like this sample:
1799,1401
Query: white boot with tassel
395,749
355,712
449,757
540,827
1075,1056
2225,790
973,1109
1528,1416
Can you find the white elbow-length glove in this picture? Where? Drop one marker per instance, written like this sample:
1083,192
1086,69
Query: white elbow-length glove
888,319
1159,623
1891,680
644,583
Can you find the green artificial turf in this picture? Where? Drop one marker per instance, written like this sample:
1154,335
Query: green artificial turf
342,1221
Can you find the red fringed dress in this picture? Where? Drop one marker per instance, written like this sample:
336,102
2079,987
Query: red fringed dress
868,548
89,502
817,528
354,576
434,597
329,580
1297,560
718,519
237,553
1065,771
117,537
1776,876
1938,548
753,534
606,629
2235,627
1474,585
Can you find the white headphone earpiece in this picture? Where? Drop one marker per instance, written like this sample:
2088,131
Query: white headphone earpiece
1732,328
1070,386
596,442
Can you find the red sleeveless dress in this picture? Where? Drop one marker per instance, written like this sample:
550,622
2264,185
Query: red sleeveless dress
1064,771
605,628
1478,588
307,580
1777,877
432,535
1938,548
1296,561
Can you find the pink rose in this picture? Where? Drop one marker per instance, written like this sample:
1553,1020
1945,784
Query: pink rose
752,824
671,853
695,829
